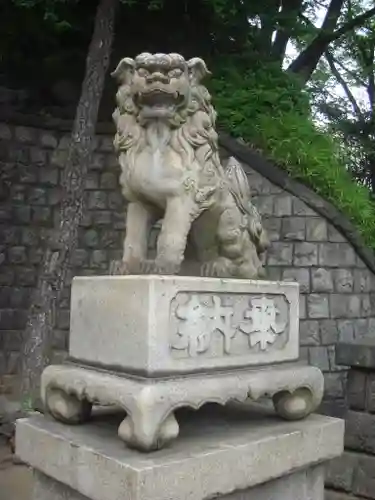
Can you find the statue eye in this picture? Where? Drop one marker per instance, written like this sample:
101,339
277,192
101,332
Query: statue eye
143,72
175,73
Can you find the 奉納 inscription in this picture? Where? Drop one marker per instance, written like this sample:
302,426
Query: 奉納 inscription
223,324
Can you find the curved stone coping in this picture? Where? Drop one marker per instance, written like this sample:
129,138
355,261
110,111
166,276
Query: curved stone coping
247,156
282,179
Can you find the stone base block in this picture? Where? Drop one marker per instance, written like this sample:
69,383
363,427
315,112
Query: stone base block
163,325
232,453
69,391
303,485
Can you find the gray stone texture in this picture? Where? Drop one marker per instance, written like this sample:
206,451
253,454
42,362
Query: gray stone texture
304,485
352,476
220,453
338,290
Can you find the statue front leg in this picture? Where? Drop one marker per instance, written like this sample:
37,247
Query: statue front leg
178,218
138,220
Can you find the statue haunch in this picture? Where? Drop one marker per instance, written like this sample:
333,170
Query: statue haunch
170,168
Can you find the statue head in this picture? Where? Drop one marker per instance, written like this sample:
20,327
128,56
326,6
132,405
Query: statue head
158,86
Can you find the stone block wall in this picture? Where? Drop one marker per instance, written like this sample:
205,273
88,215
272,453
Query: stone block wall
337,286
337,290
352,476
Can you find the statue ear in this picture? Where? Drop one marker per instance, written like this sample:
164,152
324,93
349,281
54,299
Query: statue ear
197,69
124,70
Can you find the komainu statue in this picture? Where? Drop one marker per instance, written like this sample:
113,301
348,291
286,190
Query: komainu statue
170,168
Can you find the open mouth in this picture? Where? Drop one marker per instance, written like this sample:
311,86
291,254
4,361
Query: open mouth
157,98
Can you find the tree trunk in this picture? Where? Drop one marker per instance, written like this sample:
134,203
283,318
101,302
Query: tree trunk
308,59
56,263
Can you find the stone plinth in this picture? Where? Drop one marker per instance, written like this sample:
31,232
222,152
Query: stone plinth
157,325
230,453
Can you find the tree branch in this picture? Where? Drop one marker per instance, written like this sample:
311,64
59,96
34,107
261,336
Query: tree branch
350,25
291,10
305,64
343,84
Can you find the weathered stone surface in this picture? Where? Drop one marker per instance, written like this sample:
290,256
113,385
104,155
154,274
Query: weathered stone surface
321,280
273,227
356,389
317,306
301,276
364,480
200,459
48,139
346,330
334,235
318,356
357,353
370,392
361,328
305,254
333,366
362,281
300,208
146,324
360,431
309,333
5,132
336,495
283,205
340,471
304,485
344,280
316,229
334,385
293,228
336,255
329,332
345,306
280,254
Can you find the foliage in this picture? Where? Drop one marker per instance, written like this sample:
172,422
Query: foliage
255,100
266,108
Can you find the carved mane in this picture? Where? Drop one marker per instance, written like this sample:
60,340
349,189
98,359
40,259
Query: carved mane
192,128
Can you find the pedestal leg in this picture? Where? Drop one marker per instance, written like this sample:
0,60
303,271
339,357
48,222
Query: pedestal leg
293,405
67,407
148,433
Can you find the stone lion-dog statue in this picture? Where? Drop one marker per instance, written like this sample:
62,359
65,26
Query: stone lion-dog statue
168,151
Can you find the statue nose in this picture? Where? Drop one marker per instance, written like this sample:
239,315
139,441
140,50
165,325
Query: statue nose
157,77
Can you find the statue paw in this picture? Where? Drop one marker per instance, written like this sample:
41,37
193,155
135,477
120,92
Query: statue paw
159,267
123,268
218,268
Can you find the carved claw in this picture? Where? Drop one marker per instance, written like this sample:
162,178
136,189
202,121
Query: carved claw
157,267
123,268
219,268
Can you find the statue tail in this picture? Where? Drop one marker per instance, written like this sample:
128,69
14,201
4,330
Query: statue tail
240,189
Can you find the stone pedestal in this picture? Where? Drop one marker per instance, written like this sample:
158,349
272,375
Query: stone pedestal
153,344
231,452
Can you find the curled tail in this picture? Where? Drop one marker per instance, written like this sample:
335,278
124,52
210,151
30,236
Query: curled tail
240,189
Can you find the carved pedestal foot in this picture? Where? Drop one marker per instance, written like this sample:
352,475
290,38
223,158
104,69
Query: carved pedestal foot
150,403
149,433
294,405
67,408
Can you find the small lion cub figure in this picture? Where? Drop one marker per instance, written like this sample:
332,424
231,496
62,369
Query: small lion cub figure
170,168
